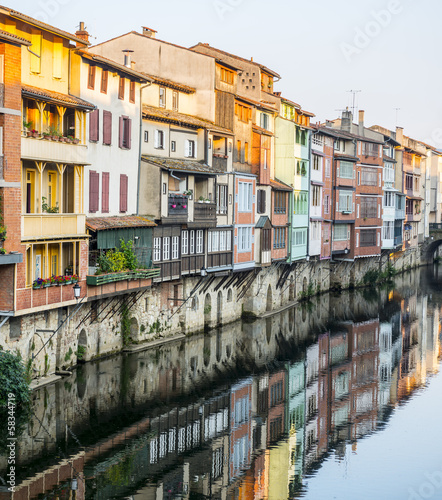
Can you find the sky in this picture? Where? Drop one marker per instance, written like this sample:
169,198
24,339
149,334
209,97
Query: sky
389,50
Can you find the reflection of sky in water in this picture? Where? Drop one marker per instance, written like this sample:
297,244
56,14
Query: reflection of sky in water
393,462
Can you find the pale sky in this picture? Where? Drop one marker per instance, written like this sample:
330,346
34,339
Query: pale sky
388,49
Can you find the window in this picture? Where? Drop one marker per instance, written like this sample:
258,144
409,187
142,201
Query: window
416,183
327,204
221,199
94,125
104,80
279,237
388,230
190,151
159,139
280,202
36,38
301,203
121,88
298,136
409,182
327,167
265,122
162,100
317,162
368,176
266,240
299,237
261,201
156,249
173,146
146,136
244,239
389,199
125,132
94,183
341,232
199,241
166,248
316,196
132,91
345,203
346,170
184,242
369,149
246,154
175,100
368,237
238,151
369,207
105,193
243,113
245,194
192,242
226,76
57,58
409,207
304,138
315,230
123,193
389,173
107,128
91,77
219,241
175,247
301,168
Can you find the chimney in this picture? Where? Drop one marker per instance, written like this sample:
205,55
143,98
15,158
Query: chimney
346,121
82,33
400,135
148,32
361,122
127,58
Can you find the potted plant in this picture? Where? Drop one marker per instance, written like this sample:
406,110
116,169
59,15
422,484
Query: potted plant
201,199
46,135
2,233
69,139
38,283
74,278
46,283
26,127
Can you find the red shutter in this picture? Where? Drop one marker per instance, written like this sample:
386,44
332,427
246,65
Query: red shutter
120,135
94,124
105,192
107,127
123,193
94,183
129,133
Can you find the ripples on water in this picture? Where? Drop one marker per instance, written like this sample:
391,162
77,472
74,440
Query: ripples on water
338,399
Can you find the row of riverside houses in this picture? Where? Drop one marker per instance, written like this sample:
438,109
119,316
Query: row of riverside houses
190,154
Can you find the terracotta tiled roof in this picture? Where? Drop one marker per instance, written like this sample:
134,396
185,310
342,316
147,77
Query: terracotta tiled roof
171,84
181,119
261,130
57,97
4,35
182,165
102,223
279,185
42,25
109,62
256,103
288,101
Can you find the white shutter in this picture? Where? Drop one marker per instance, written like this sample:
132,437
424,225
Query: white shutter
357,240
209,242
195,154
187,148
157,139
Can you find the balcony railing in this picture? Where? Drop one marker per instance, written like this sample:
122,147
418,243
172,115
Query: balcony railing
51,225
219,163
204,210
56,151
103,279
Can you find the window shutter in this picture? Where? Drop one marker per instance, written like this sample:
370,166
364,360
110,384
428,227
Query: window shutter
157,139
129,133
94,124
105,192
263,201
120,133
123,193
107,127
94,182
187,148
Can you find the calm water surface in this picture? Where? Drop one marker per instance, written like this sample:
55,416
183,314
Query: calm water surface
339,399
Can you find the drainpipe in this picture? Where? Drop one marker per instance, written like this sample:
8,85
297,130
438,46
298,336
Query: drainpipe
140,142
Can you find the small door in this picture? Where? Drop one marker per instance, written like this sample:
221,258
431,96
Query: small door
53,261
52,189
30,191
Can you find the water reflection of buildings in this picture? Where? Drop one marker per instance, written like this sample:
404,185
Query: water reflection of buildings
173,423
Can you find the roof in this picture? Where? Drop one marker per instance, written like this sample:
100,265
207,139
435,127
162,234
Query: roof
292,103
169,116
256,103
191,166
337,132
261,66
51,96
120,67
171,84
343,156
103,223
9,37
262,222
40,24
279,185
261,130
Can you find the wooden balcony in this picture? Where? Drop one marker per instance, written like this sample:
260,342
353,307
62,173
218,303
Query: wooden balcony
192,264
221,259
204,215
39,226
219,162
141,274
58,152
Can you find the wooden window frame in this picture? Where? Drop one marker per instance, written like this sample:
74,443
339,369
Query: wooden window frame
91,77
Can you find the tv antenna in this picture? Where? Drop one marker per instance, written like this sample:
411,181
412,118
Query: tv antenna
354,92
397,113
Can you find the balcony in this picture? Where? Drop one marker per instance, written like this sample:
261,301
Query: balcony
204,215
219,162
177,209
39,226
399,214
54,151
221,259
103,279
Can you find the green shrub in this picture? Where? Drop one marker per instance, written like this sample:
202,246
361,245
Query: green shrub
13,379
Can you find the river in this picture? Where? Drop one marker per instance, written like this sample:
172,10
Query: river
339,398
